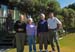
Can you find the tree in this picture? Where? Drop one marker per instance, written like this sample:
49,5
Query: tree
54,6
69,16
72,6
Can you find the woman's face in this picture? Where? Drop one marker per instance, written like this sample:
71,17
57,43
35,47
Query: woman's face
29,21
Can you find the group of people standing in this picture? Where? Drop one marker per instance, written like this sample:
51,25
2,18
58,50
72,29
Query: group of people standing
45,29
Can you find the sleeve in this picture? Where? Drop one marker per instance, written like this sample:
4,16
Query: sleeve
58,21
59,24
46,25
38,27
15,26
24,27
35,30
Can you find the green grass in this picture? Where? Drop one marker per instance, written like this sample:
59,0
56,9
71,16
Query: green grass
67,44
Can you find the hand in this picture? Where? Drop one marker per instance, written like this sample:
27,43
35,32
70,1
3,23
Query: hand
20,29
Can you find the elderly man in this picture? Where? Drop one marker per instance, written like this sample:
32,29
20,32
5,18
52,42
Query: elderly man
53,25
42,32
20,28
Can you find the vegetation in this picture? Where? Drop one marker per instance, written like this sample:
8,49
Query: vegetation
67,44
35,7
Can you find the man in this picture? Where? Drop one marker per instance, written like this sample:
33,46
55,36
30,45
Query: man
20,28
42,32
53,25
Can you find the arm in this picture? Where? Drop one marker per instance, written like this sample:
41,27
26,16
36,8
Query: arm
38,27
35,29
15,26
46,26
59,24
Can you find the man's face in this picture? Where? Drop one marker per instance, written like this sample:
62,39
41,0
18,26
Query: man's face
51,15
22,18
42,17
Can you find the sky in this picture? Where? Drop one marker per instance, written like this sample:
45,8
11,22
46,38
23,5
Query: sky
64,3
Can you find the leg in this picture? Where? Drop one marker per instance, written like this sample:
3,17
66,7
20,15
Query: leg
18,42
51,36
45,40
30,43
56,41
40,41
22,41
34,44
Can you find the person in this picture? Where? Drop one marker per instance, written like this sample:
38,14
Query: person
54,24
20,28
31,33
9,23
42,32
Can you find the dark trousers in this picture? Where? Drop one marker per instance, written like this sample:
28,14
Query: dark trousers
43,37
20,37
53,37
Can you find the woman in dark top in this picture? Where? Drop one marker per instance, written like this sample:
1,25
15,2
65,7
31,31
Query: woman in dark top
42,32
20,28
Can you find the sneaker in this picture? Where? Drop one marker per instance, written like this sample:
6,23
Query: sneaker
40,50
46,50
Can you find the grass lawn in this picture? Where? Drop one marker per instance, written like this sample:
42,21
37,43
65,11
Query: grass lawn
67,44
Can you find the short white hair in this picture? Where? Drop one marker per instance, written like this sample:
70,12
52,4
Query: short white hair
30,19
42,14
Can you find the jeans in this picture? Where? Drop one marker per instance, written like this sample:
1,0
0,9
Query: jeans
31,42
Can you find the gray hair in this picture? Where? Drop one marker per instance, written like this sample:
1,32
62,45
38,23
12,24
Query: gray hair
30,19
42,14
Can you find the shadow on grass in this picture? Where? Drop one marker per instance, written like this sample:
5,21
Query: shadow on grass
43,51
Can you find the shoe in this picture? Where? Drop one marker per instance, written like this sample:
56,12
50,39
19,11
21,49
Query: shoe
30,51
52,51
34,50
40,50
46,50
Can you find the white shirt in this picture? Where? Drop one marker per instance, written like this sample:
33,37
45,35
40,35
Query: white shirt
52,22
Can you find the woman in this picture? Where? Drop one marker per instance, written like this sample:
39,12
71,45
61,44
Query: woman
31,33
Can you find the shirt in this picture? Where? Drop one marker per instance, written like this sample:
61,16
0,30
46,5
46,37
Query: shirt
31,29
52,23
42,26
20,25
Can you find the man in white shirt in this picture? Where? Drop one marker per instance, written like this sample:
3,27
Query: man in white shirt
53,25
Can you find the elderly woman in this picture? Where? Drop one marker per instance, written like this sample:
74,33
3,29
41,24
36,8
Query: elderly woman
31,33
42,32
